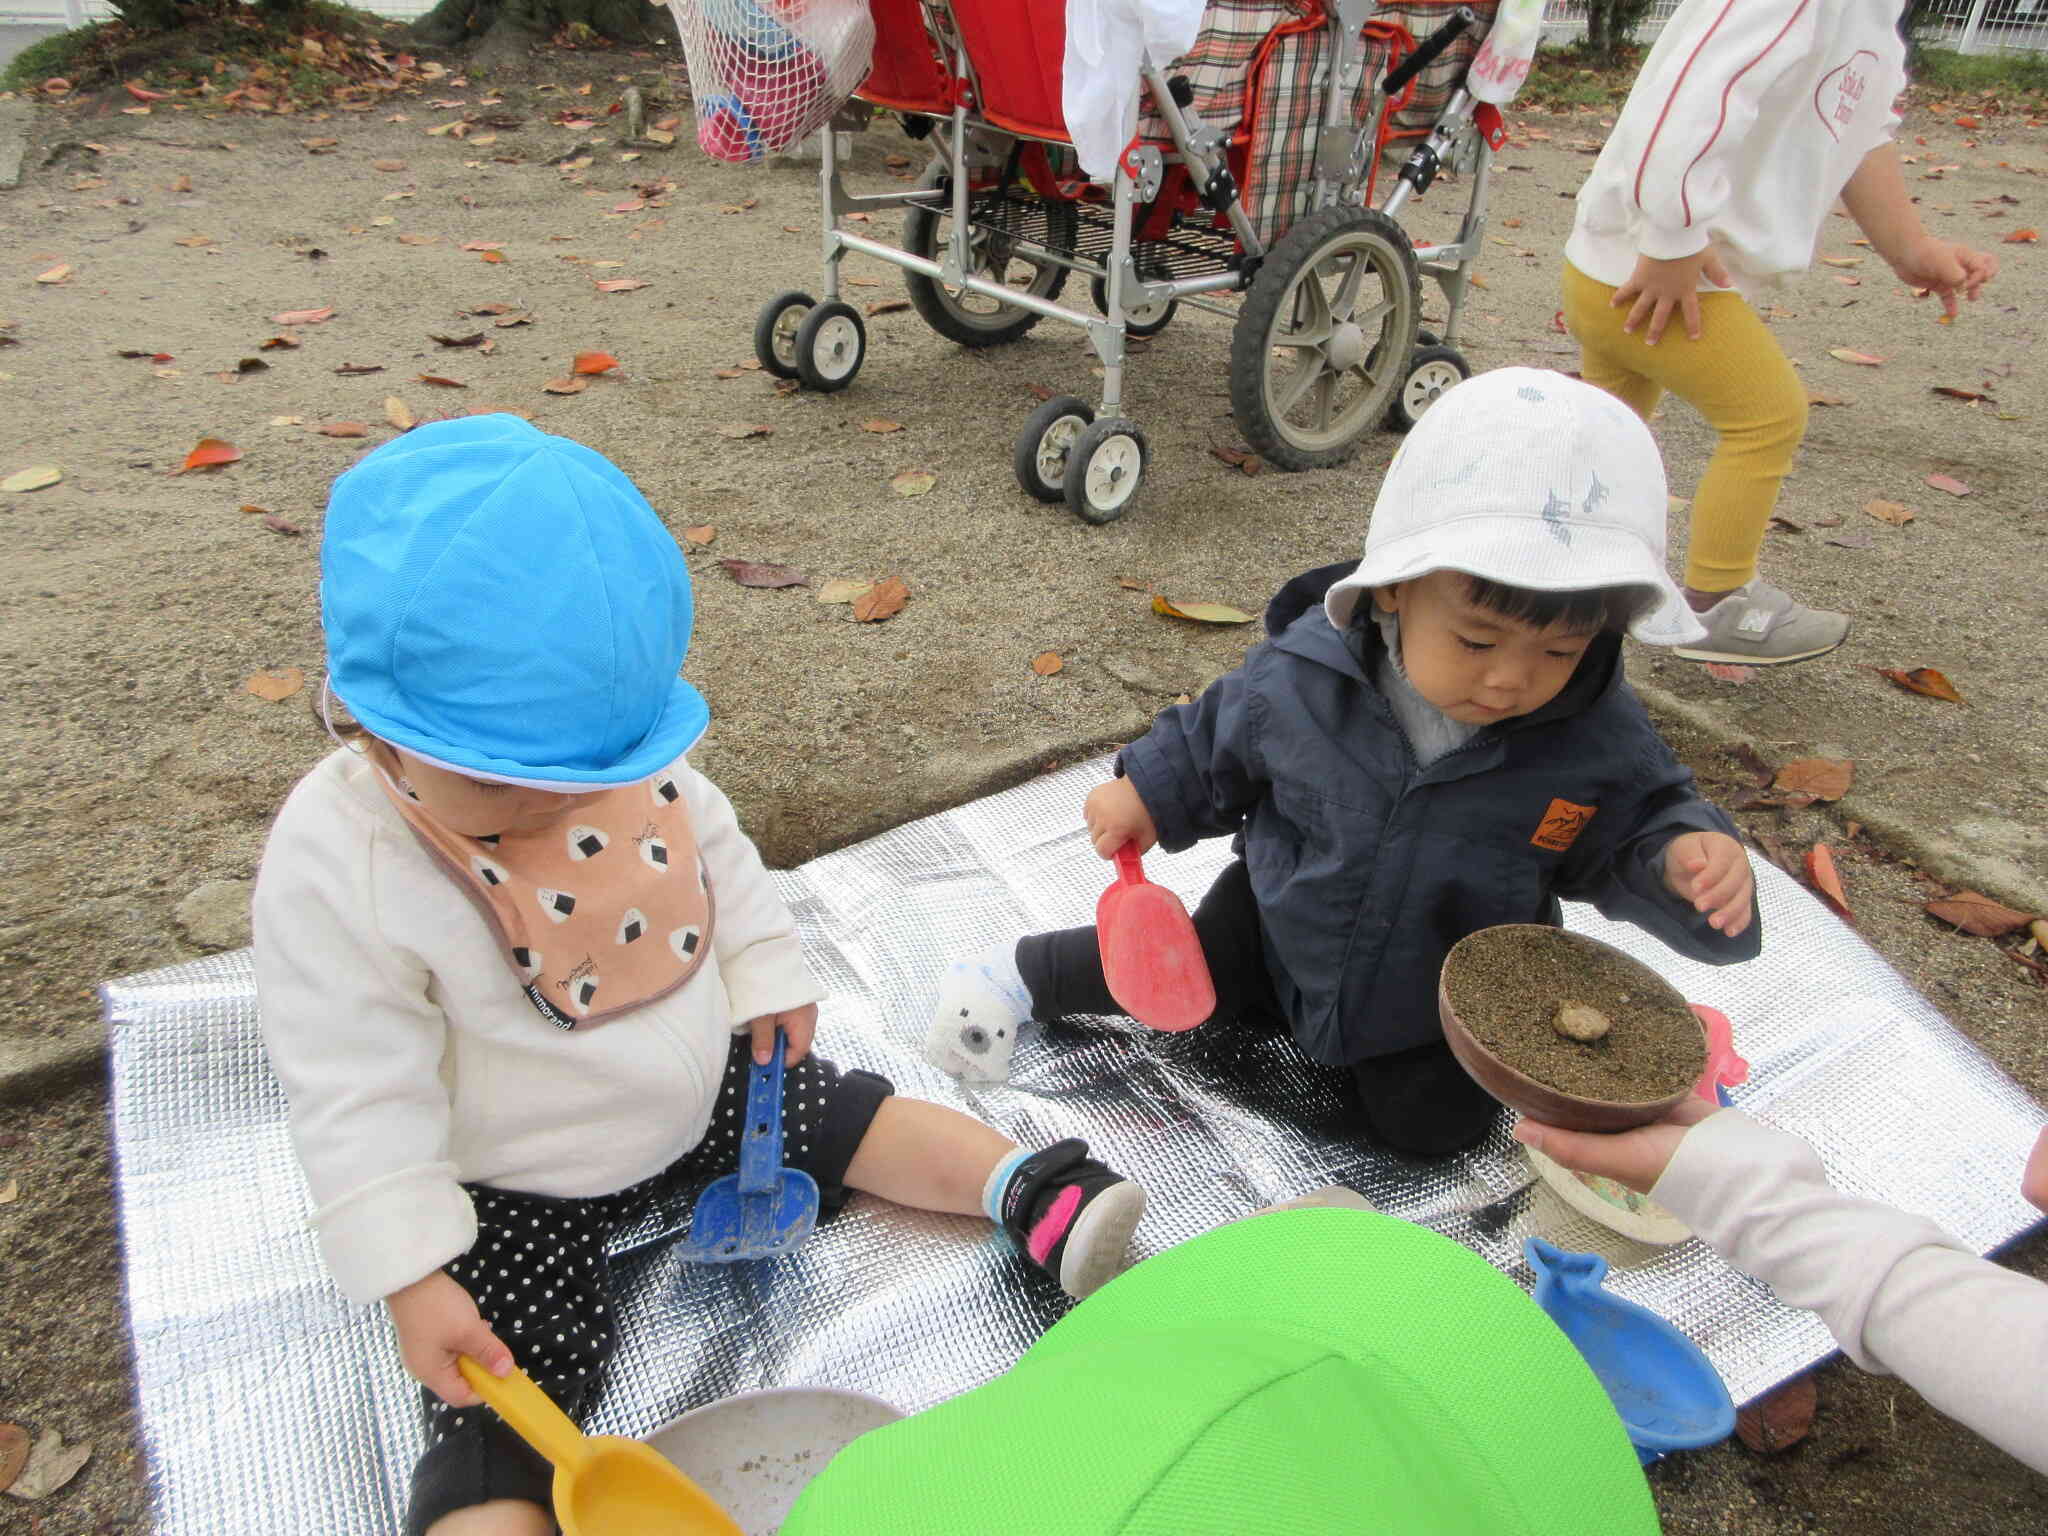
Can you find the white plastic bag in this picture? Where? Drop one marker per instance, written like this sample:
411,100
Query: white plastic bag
766,74
1503,60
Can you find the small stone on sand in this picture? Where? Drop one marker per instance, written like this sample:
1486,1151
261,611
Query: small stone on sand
1575,1021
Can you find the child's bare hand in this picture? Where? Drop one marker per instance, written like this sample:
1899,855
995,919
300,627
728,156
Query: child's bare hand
800,1024
1635,1158
437,1321
1710,870
1945,266
1116,815
1656,288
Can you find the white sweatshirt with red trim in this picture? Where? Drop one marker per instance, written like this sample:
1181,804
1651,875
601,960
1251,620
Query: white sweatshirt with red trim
1746,121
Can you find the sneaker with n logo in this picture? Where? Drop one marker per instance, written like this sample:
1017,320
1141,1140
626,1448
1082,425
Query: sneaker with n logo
1759,625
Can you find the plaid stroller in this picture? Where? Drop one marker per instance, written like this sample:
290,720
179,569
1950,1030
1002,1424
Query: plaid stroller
1253,171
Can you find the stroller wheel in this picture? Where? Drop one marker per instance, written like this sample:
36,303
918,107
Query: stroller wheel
831,345
1144,319
1104,468
775,329
1046,446
1431,371
977,319
1324,337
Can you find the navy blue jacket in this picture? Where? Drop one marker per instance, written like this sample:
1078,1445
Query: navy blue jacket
1367,869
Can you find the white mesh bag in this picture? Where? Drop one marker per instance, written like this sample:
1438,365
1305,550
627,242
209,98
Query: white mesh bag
765,74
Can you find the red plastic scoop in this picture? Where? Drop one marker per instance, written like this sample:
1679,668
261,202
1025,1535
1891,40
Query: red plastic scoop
1150,955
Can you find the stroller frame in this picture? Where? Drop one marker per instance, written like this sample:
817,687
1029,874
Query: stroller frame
1092,458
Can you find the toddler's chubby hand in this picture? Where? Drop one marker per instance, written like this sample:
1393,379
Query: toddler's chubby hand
1944,268
1635,1158
1710,870
437,1321
800,1024
1116,815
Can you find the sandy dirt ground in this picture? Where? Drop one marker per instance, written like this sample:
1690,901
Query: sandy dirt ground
139,601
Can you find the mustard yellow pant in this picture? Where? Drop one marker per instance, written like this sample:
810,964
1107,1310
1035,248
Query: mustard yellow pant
1738,378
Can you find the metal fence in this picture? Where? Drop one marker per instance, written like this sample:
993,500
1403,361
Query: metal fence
1972,26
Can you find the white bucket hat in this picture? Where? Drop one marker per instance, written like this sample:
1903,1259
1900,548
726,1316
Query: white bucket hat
1532,479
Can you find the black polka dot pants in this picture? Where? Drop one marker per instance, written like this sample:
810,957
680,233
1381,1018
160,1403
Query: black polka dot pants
537,1274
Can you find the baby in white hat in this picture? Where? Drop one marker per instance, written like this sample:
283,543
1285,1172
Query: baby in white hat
1431,742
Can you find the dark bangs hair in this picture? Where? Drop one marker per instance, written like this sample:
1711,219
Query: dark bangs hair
1604,608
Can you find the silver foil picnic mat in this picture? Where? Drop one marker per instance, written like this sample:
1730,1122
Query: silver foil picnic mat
270,1404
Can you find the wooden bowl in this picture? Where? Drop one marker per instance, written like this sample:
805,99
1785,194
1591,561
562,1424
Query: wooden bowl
1537,1100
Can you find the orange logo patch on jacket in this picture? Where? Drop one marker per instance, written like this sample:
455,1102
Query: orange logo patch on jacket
1561,825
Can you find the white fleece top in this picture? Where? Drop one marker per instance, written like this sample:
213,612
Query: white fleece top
1899,1294
413,1062
1746,121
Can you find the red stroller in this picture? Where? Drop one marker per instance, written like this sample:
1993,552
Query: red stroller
1214,195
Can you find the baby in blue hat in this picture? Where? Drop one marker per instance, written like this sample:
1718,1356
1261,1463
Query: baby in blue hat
515,957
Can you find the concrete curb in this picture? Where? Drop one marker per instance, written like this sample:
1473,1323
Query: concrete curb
16,118
1948,855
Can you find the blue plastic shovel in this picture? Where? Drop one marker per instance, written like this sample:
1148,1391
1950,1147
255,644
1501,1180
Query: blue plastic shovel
764,1210
1668,1394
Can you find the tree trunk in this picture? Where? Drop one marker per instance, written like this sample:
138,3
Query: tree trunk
459,21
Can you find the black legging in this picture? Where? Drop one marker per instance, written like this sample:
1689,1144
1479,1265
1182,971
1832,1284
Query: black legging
1417,1101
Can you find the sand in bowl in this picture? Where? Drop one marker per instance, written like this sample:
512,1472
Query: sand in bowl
1509,984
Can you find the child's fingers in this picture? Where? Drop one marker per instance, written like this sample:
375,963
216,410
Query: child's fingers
801,1032
763,1032
1690,305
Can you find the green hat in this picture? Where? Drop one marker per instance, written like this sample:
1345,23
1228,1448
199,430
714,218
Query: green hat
1305,1373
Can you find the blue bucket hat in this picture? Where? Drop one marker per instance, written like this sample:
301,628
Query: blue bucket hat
504,603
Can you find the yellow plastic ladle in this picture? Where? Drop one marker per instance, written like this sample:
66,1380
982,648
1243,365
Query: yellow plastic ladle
605,1485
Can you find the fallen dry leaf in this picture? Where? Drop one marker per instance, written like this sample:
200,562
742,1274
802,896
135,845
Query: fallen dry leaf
619,284
1922,680
1820,399
566,386
419,239
2023,237
51,1464
474,339
506,322
1728,672
1897,513
1820,871
1243,460
281,683
744,429
1842,261
57,274
593,363
287,421
1206,613
886,306
34,478
491,256
703,533
439,381
1978,914
355,368
342,429
841,589
193,242
913,482
878,425
1045,663
303,316
209,453
1953,393
1824,778
754,573
399,414
285,340
1778,1420
387,165
885,601
14,1448
281,525
1948,483
1862,359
